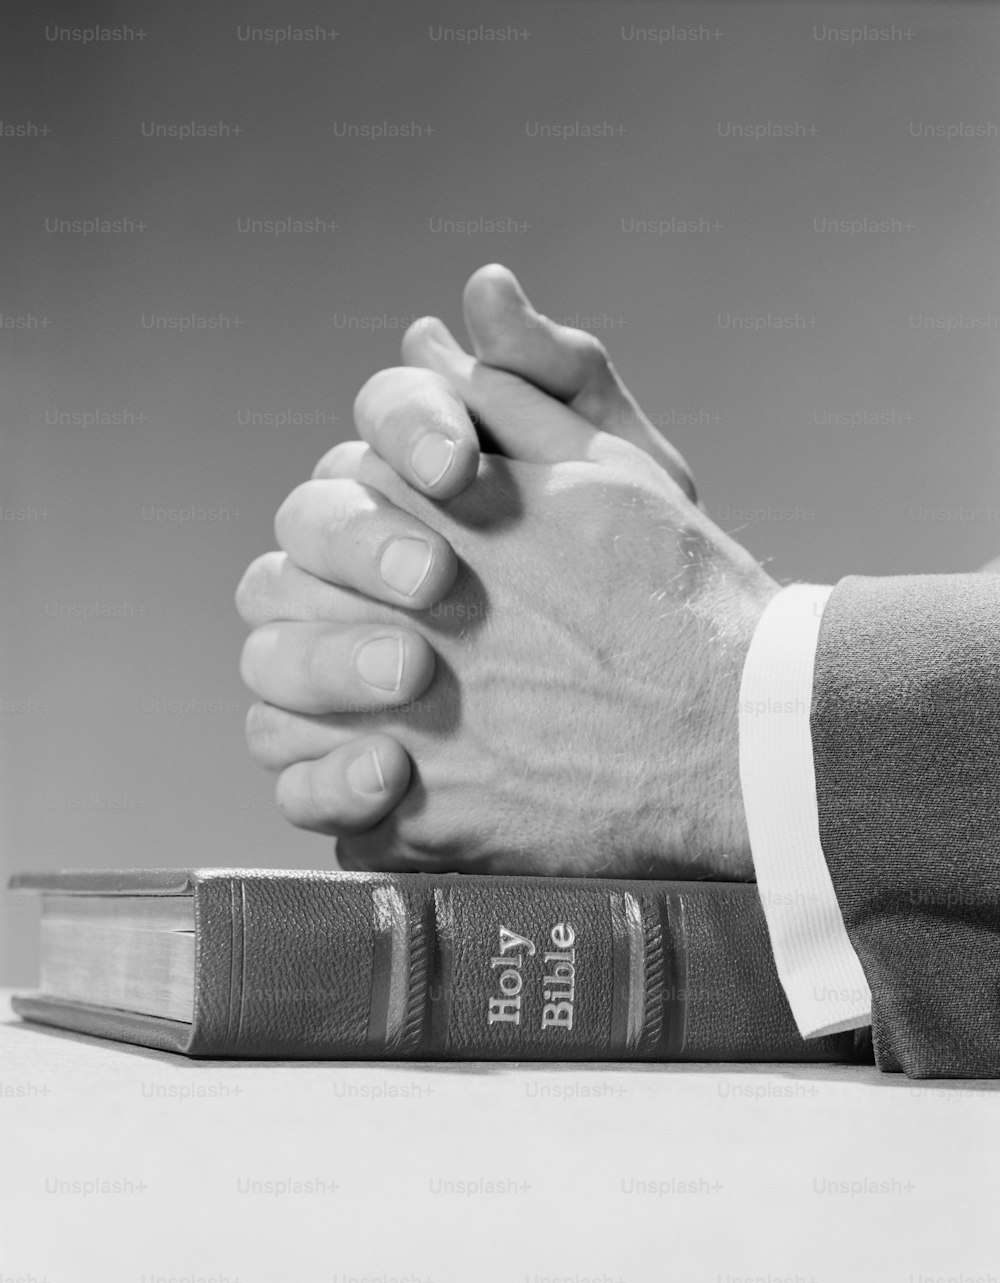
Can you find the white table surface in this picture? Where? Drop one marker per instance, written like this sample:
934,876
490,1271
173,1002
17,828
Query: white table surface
122,1164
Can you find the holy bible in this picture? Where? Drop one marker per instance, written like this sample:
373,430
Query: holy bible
331,965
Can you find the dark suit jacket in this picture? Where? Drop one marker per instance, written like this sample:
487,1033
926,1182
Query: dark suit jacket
906,737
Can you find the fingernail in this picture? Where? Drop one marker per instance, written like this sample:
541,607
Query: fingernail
380,663
365,773
431,457
405,565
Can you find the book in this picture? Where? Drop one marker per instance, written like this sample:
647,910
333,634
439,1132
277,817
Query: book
333,965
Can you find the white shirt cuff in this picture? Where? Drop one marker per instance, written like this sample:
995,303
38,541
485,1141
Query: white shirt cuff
818,968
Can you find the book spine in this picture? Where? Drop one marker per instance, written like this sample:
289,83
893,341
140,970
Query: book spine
463,967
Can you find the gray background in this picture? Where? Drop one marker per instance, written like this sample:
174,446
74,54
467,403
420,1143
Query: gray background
857,437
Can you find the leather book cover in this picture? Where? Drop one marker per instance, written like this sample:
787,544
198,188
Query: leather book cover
331,965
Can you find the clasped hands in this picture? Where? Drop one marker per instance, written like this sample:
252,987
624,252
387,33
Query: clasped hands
500,635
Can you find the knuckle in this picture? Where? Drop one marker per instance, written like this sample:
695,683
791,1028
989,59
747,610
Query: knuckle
290,511
248,660
300,797
339,504
260,730
315,515
255,591
379,385
344,459
287,793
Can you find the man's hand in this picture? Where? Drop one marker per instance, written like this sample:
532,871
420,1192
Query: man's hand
439,455
508,334
583,718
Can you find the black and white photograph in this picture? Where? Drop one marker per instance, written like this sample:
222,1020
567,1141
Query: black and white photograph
500,650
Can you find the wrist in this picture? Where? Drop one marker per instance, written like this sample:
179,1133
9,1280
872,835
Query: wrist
733,603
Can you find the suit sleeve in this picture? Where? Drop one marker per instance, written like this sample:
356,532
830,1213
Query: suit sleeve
905,726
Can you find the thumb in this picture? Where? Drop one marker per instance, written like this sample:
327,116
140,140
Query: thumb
573,365
519,419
